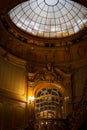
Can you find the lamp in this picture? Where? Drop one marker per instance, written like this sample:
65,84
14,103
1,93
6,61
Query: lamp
31,99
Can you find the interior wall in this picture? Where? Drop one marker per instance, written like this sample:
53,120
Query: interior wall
12,78
79,79
13,92
12,114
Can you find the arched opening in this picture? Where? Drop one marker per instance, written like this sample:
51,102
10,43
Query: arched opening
49,103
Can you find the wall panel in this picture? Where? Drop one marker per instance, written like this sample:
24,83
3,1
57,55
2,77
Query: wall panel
1,115
12,78
78,81
12,114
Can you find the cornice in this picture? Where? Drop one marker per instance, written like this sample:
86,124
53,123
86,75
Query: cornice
66,66
41,42
8,57
12,96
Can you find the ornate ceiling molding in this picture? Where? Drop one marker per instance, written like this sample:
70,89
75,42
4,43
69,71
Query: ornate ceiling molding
42,42
70,50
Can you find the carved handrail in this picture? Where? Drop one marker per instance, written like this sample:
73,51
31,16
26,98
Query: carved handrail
37,124
51,123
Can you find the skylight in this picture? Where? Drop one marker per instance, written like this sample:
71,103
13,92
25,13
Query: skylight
49,18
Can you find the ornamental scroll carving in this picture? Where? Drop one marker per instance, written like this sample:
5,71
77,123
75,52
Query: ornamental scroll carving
50,74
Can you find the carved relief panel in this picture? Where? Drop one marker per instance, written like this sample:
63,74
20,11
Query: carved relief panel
48,78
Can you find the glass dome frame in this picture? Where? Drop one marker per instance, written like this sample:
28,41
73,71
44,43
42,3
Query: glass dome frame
60,19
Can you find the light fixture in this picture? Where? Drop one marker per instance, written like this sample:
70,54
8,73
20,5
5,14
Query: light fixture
66,98
31,99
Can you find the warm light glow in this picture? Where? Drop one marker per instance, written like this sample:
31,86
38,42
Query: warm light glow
31,99
66,98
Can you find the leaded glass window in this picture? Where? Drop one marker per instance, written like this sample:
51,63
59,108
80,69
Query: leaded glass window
49,103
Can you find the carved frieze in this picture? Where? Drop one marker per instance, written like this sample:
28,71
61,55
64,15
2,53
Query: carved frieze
49,74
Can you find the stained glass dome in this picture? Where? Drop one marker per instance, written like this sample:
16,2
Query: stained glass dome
50,18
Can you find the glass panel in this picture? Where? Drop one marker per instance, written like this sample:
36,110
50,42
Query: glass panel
49,104
48,18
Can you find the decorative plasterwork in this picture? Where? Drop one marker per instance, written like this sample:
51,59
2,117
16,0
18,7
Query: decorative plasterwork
33,40
11,58
50,75
58,51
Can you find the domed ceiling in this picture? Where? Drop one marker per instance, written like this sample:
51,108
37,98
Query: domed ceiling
49,18
44,31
